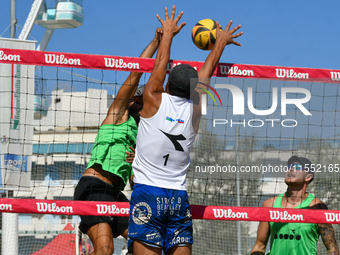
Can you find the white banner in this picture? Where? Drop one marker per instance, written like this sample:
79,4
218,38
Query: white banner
16,119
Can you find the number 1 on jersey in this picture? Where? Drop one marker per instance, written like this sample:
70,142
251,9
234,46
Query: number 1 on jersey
166,159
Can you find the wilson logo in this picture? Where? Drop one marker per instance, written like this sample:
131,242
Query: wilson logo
6,207
104,209
60,59
119,63
9,57
332,217
335,76
46,207
220,213
235,70
277,215
290,73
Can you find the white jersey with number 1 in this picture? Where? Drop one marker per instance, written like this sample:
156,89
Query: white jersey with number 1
163,145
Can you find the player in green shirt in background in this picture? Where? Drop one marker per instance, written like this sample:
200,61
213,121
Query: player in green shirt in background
295,238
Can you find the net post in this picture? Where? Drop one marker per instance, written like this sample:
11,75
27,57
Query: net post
10,234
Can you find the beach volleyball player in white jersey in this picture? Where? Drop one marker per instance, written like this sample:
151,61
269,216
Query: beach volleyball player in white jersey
160,217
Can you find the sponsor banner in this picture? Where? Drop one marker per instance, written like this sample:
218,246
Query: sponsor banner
264,214
17,112
234,213
117,63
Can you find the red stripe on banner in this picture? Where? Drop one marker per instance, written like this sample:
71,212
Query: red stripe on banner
233,213
117,63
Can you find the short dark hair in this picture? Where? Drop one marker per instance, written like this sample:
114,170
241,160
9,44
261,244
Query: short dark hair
178,92
181,81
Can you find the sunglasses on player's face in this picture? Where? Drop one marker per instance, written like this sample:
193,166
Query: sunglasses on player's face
295,166
138,99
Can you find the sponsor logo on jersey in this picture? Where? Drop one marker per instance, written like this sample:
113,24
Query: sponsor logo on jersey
141,213
291,235
174,120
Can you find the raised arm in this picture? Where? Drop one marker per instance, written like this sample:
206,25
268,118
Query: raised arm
116,113
223,38
154,86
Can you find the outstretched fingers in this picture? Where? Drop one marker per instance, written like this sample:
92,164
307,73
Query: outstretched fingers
167,14
173,12
236,43
229,25
236,35
180,27
235,29
160,19
172,21
179,16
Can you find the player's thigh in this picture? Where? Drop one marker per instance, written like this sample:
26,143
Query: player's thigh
147,218
140,248
180,250
179,226
101,237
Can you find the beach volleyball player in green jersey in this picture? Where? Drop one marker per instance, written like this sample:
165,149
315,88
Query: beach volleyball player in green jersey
110,168
295,238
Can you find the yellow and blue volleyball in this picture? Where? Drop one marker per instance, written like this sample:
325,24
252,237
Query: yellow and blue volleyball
204,34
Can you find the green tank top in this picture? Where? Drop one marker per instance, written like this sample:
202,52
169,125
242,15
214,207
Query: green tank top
293,238
110,146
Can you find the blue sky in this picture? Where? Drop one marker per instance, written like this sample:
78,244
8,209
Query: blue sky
284,33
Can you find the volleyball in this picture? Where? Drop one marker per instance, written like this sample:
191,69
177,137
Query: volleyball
204,34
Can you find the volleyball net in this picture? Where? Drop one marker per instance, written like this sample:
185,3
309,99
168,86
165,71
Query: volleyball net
256,118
